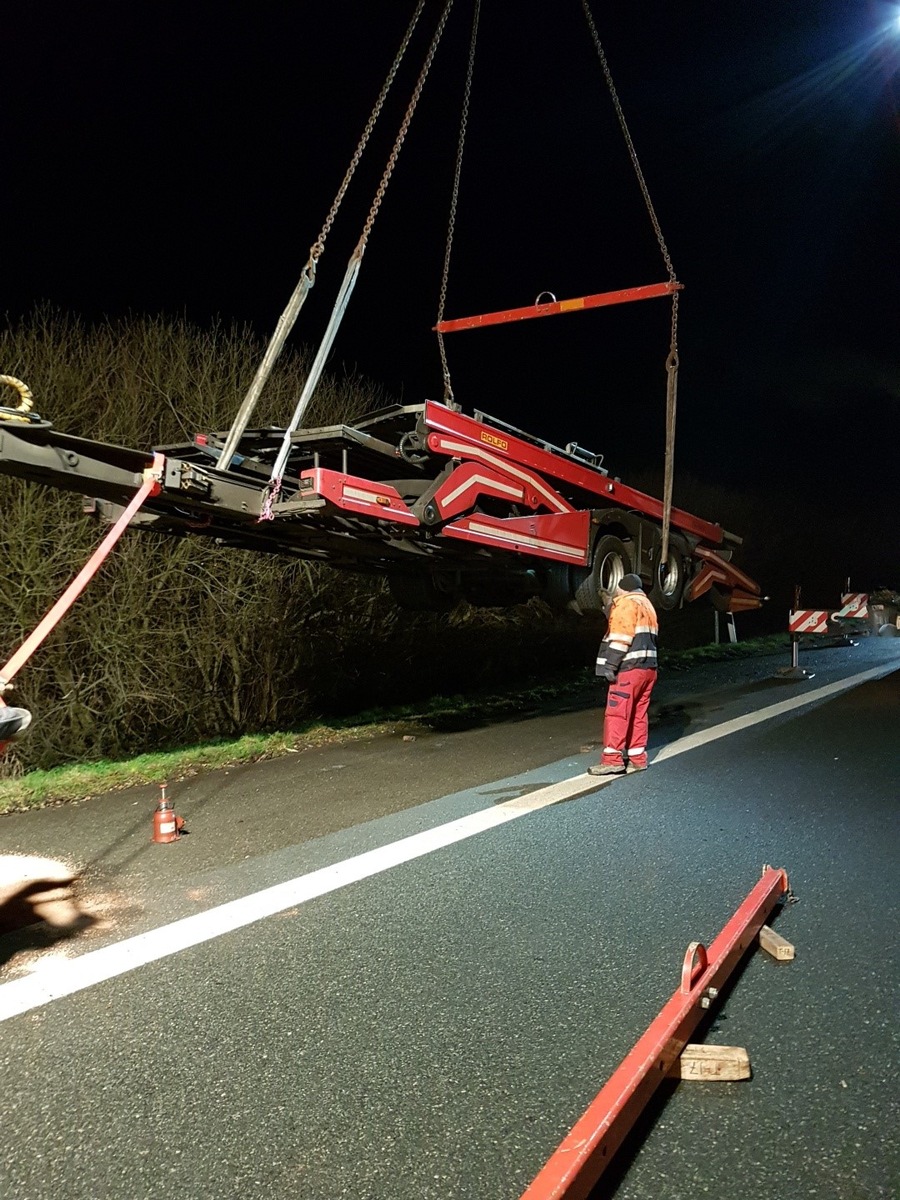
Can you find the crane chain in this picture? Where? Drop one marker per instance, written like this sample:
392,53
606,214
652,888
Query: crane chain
404,129
318,247
672,359
645,191
451,224
307,280
273,488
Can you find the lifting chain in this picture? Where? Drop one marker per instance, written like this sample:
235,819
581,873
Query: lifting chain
288,318
273,488
318,247
404,128
628,142
451,225
672,360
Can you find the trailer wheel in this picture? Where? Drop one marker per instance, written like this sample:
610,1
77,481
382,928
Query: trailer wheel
611,561
668,583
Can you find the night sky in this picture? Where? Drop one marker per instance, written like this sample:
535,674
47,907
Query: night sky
180,159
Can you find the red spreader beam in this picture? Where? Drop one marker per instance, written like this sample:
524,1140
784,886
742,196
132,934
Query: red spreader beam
574,1168
150,486
600,300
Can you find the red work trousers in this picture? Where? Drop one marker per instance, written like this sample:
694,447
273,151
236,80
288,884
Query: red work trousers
625,725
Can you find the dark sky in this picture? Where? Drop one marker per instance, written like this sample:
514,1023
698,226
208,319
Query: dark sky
180,158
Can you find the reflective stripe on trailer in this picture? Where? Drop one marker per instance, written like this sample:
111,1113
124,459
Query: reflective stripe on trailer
560,536
372,499
542,492
522,539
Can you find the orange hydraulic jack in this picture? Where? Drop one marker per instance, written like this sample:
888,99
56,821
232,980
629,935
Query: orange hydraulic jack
581,1158
167,827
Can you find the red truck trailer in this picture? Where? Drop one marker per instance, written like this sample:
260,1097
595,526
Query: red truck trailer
446,506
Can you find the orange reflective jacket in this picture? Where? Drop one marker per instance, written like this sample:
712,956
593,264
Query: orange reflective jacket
630,636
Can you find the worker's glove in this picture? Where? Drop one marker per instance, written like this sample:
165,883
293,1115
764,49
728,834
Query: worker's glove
607,672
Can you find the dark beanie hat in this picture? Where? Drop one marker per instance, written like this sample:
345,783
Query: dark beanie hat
631,583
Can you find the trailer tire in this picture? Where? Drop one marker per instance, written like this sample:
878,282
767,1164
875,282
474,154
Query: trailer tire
610,562
559,587
668,583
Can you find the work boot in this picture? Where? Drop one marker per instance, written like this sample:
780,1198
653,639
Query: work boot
635,766
13,721
607,769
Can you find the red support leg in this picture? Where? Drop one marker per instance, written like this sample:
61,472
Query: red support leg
574,1168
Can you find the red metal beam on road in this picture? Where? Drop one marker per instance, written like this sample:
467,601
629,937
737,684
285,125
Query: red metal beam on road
600,300
581,1158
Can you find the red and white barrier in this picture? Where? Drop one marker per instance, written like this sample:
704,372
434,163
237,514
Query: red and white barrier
808,620
855,607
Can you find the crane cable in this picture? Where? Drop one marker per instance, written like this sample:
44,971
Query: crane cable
340,305
308,277
672,359
451,225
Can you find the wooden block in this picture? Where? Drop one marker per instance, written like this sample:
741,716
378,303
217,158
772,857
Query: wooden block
711,1063
773,943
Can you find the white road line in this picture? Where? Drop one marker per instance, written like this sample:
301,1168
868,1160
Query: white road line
62,977
693,740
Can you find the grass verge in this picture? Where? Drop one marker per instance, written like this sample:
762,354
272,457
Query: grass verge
81,781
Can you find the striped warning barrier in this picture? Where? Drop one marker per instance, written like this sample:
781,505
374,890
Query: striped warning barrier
854,607
808,620
820,620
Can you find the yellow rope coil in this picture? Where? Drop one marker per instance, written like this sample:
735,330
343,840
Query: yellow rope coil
26,400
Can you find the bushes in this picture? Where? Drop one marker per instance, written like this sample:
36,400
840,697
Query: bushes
178,641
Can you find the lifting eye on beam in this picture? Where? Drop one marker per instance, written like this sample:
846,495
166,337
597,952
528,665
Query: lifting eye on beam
550,309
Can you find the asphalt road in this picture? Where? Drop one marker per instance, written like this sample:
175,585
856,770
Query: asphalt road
433,1030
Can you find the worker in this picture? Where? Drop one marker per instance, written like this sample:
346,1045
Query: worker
13,721
627,659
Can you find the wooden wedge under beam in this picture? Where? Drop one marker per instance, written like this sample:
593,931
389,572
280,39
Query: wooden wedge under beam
773,943
711,1064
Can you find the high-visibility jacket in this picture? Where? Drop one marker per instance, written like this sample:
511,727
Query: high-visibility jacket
630,636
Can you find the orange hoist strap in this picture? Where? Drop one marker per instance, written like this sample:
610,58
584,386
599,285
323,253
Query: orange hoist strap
150,486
